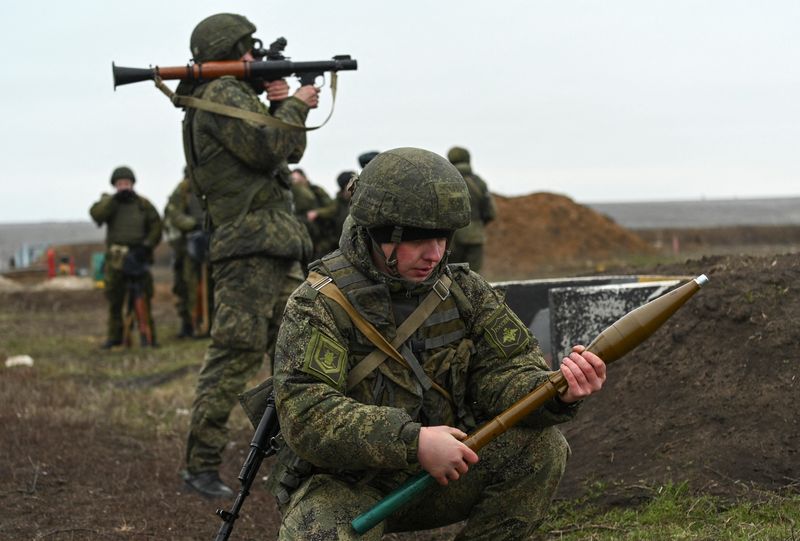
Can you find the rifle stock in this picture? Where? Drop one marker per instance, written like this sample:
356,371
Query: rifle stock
611,344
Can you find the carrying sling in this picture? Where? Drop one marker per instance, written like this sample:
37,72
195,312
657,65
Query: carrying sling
440,291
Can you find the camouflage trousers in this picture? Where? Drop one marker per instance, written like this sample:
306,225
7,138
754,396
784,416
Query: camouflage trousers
184,284
249,298
117,288
503,497
186,279
468,253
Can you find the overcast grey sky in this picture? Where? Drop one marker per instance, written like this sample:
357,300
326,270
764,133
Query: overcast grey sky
597,100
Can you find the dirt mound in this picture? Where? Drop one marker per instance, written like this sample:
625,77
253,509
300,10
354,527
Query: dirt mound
66,282
7,284
711,398
532,232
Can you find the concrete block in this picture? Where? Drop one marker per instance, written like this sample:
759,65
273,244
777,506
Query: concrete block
578,314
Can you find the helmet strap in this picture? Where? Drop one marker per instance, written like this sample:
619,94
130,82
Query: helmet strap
391,261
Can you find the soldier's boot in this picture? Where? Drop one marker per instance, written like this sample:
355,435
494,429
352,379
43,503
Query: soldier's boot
207,483
110,343
186,330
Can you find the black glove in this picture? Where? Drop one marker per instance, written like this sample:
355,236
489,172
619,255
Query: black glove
125,196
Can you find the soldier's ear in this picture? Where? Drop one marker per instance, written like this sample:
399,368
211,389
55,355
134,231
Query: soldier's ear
351,186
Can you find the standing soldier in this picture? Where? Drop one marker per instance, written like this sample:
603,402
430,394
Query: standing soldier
335,212
366,157
469,241
133,231
241,170
183,223
308,198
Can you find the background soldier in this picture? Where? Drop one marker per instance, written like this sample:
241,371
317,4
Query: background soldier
309,197
469,241
366,157
240,169
133,231
183,223
354,429
335,212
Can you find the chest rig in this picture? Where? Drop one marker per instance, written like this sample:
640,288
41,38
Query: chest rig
426,371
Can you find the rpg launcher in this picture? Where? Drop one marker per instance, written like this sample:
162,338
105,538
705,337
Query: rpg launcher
270,65
611,344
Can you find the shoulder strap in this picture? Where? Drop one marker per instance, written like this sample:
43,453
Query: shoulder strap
325,285
234,112
404,331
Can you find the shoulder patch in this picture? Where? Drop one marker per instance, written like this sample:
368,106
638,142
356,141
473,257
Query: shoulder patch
325,359
506,332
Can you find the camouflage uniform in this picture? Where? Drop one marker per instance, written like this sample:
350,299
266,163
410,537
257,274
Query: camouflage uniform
183,220
348,447
337,210
133,229
241,170
312,197
469,241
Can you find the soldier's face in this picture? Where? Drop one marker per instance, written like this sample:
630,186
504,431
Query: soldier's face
122,184
416,259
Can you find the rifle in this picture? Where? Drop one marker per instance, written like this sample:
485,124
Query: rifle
197,244
621,337
202,321
262,446
276,66
136,307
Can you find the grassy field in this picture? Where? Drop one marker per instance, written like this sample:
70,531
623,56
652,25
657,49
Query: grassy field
92,443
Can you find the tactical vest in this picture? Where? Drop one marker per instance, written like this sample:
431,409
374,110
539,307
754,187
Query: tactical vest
474,233
230,196
438,345
128,225
250,209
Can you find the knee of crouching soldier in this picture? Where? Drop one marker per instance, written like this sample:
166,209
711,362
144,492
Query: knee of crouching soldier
553,451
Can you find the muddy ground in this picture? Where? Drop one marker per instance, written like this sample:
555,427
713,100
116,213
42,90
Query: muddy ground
91,442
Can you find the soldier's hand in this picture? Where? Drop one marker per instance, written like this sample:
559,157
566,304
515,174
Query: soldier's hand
124,195
585,373
277,90
308,94
442,454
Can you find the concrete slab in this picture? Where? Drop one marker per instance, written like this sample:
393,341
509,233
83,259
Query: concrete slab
579,314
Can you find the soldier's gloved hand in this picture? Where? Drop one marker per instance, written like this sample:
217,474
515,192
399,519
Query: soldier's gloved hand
124,196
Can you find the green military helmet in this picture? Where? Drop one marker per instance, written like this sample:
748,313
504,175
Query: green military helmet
221,37
458,155
122,172
413,189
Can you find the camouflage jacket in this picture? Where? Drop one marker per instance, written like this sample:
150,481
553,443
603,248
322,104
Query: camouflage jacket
336,213
472,345
482,207
134,222
183,213
309,197
241,170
